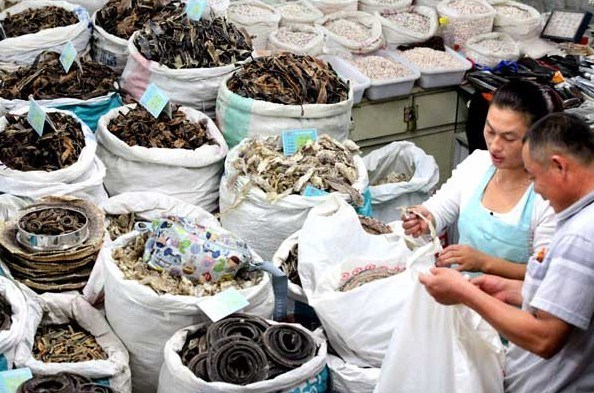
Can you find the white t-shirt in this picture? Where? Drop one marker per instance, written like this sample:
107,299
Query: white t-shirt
455,194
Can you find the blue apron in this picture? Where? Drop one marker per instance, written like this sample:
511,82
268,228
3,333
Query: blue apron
487,233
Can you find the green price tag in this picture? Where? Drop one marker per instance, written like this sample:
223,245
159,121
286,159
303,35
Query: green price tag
155,100
36,117
68,56
295,139
223,304
10,380
195,8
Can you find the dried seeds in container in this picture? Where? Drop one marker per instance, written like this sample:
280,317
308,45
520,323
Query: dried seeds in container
293,37
138,127
513,12
409,20
380,67
45,79
349,29
468,7
33,20
325,164
67,343
123,17
286,78
52,221
22,149
5,314
296,10
248,10
178,42
494,45
427,58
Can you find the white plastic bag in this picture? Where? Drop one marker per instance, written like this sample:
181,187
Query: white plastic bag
260,26
261,223
518,28
348,378
337,44
460,27
372,6
437,348
401,157
332,6
144,320
192,87
61,308
190,175
480,54
175,377
333,247
396,34
239,117
24,49
288,18
83,179
10,206
312,48
23,310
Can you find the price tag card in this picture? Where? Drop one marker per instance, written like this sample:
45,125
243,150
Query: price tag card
223,304
311,191
155,100
68,56
10,380
294,139
38,118
195,8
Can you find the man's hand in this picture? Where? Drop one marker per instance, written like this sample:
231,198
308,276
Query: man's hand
447,286
413,224
504,289
468,258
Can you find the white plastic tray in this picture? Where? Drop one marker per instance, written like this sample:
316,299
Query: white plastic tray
345,70
387,88
443,77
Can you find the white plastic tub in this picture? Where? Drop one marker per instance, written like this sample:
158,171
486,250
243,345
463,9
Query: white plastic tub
442,77
380,89
346,70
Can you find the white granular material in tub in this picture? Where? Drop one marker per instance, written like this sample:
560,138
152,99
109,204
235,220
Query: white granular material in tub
427,58
351,30
409,20
512,12
248,10
379,67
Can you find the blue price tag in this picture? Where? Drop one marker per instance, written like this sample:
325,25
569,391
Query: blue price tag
154,100
10,380
223,304
68,56
311,191
294,139
195,8
36,117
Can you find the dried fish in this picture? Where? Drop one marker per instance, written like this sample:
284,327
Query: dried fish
53,221
62,383
22,149
325,164
289,79
123,17
68,343
393,177
45,79
120,224
374,226
178,42
369,275
31,21
139,128
5,314
129,260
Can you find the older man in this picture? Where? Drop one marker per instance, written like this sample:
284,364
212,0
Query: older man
552,335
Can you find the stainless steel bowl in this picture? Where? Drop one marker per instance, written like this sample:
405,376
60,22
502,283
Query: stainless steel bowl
35,242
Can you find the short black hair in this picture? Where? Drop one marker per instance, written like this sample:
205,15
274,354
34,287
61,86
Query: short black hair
564,133
528,98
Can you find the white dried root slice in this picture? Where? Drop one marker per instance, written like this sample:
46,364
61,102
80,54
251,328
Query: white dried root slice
428,59
379,67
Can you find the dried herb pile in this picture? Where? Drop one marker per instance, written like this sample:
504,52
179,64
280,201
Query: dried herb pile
243,349
129,260
123,17
120,224
5,314
53,221
393,177
325,164
22,149
178,42
290,79
139,128
32,21
46,79
67,343
65,382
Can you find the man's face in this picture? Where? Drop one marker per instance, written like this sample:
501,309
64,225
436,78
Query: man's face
545,179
